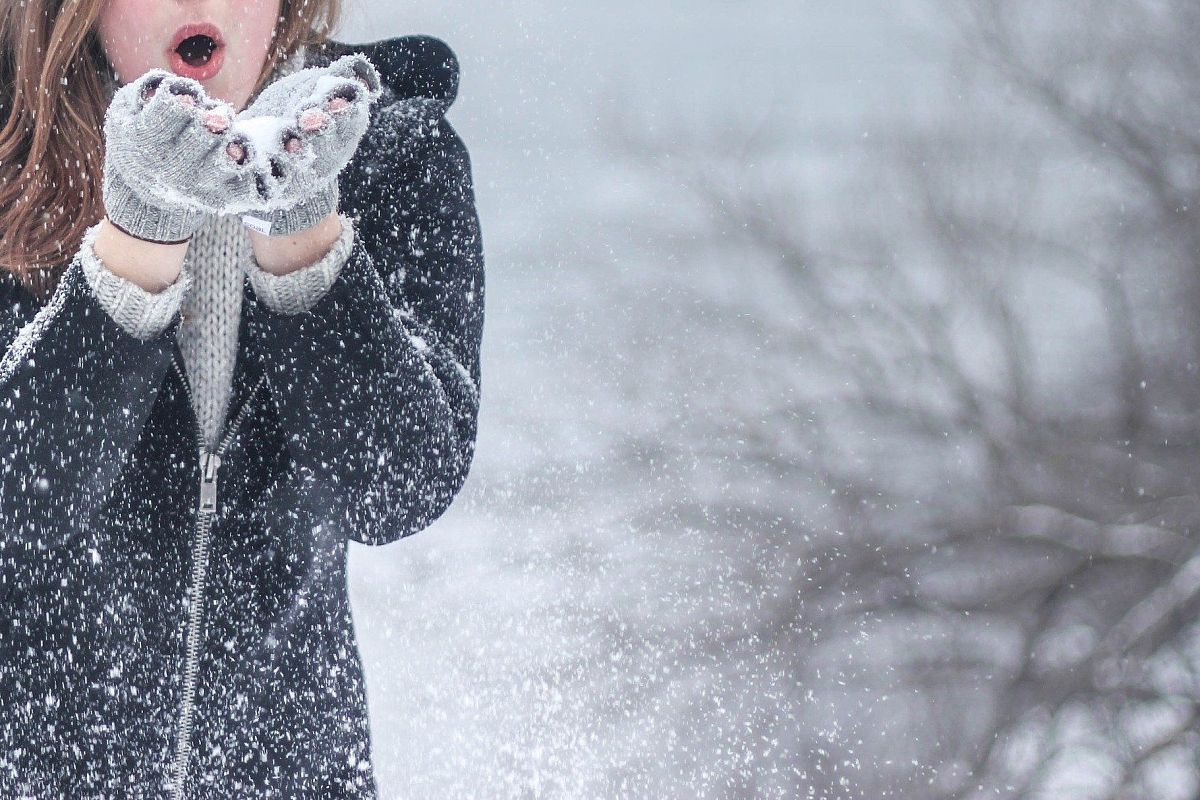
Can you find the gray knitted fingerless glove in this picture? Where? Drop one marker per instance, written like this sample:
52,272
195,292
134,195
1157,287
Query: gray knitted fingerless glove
297,136
164,148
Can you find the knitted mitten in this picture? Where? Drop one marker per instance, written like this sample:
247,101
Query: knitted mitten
296,137
164,157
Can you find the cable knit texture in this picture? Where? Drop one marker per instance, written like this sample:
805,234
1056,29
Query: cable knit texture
208,293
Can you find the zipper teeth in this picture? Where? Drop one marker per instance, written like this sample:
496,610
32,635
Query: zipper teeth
199,568
237,420
199,574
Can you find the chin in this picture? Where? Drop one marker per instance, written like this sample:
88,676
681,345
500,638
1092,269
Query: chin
220,92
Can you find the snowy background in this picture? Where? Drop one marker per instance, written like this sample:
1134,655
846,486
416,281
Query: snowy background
838,412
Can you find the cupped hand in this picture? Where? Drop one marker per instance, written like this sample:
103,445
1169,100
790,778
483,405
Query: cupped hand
291,143
165,144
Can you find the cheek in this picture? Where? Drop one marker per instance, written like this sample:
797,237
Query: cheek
256,21
132,36
249,27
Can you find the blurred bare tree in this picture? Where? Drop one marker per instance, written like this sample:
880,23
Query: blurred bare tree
992,371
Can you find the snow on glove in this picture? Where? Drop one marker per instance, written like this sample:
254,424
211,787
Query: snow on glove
165,141
296,137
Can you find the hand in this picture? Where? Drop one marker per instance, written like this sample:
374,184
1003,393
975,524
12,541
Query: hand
164,148
295,138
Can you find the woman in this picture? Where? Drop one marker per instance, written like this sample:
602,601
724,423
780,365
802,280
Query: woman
196,416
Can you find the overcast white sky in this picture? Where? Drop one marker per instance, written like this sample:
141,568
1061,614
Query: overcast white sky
533,71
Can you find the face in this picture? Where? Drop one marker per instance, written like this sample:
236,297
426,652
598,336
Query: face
137,35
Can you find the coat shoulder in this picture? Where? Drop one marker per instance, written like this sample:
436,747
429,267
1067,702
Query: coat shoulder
410,66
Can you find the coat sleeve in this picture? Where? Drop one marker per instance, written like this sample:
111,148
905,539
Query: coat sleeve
75,391
377,385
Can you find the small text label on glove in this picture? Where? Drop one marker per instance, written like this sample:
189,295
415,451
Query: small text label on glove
263,226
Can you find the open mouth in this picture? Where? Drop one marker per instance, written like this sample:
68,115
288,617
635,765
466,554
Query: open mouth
196,51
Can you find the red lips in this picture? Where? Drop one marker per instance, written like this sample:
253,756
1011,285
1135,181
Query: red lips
205,61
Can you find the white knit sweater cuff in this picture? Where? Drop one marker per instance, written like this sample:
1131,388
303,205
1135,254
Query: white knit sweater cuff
300,290
141,313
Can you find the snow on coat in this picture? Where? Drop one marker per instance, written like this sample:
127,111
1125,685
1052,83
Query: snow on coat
354,421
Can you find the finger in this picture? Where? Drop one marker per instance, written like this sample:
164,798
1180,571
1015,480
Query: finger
238,151
170,93
145,87
163,119
183,90
333,87
312,120
292,142
216,120
294,155
173,113
180,85
356,66
334,100
345,94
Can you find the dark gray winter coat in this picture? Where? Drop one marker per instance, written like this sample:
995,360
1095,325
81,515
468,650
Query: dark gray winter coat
144,627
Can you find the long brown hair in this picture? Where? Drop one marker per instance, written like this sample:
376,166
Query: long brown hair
55,87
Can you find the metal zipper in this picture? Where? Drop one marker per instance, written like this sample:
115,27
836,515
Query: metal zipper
210,463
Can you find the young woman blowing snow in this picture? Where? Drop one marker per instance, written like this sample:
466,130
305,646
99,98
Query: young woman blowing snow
196,416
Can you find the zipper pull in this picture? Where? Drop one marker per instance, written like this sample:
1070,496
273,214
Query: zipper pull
209,462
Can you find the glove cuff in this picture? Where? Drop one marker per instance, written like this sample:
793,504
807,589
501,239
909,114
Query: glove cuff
307,213
151,223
